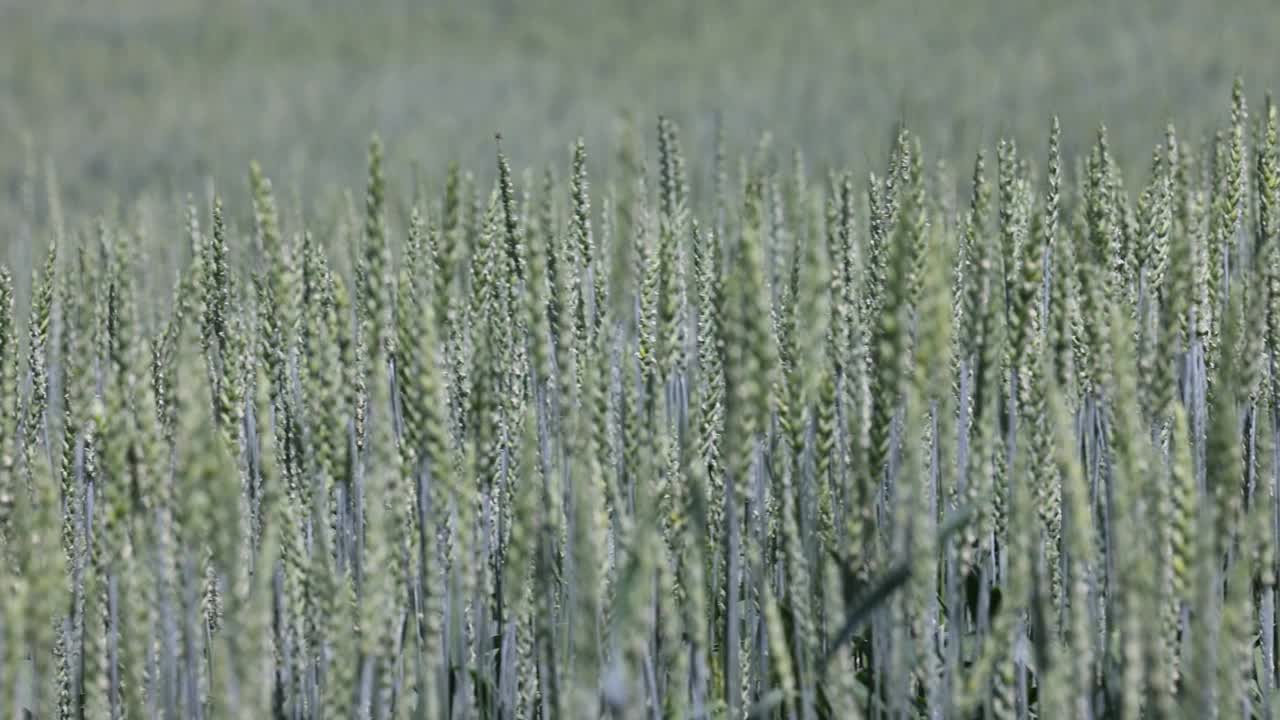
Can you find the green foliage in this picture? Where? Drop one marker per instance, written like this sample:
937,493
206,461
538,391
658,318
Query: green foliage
814,458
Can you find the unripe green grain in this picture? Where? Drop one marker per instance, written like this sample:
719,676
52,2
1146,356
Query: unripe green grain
375,257
37,351
8,407
1010,228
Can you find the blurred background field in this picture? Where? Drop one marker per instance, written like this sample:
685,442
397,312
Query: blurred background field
158,96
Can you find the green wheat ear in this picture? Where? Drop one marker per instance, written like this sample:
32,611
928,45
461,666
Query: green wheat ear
38,328
9,408
1267,250
375,257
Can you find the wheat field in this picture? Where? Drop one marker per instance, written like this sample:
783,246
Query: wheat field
638,430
